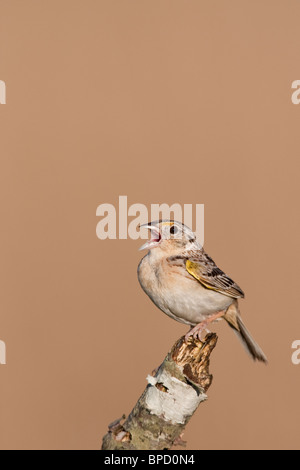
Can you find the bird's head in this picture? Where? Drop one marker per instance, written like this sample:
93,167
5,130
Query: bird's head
168,235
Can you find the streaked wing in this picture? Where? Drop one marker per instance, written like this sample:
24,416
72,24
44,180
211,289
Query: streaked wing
205,270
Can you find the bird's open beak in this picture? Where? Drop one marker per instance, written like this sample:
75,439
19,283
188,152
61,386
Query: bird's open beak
155,237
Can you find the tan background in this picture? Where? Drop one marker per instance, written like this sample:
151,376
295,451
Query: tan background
162,101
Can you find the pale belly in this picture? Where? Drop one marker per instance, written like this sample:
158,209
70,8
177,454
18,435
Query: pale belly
180,296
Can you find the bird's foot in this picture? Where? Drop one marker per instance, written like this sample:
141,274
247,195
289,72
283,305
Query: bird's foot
197,330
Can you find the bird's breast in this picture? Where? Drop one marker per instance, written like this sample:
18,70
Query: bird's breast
177,293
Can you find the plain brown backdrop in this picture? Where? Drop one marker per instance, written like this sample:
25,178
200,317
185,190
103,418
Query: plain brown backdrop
162,101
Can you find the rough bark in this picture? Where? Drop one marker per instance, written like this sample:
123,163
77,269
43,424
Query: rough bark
170,399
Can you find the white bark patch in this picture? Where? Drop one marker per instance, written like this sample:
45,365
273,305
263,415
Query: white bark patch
151,380
120,436
177,403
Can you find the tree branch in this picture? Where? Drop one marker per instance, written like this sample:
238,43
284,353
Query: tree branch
170,399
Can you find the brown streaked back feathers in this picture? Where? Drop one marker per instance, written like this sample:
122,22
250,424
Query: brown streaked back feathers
205,270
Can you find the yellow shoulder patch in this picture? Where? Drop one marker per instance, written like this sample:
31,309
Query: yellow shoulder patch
194,269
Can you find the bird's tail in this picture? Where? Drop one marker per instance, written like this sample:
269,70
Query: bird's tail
234,320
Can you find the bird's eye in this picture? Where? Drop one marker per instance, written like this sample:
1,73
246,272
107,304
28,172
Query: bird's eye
173,230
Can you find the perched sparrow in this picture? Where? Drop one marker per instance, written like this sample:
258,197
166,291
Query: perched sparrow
186,284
